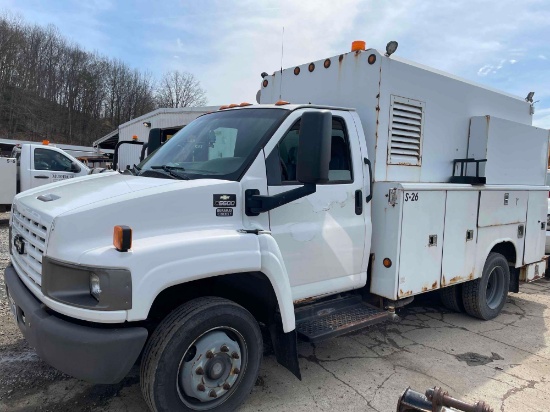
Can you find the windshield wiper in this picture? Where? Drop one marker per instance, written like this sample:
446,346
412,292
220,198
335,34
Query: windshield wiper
172,171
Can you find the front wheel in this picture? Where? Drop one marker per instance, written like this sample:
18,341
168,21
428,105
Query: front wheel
484,297
205,356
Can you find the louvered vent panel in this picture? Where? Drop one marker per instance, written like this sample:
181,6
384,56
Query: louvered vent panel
406,124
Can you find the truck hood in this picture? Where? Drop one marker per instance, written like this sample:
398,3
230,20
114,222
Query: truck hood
80,214
57,198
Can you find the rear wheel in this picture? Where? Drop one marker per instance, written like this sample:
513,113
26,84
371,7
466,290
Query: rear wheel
484,297
205,356
451,297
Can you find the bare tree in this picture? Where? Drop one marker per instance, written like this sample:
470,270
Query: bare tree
52,88
180,89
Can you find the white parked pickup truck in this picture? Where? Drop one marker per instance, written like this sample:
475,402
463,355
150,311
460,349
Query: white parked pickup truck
33,165
381,181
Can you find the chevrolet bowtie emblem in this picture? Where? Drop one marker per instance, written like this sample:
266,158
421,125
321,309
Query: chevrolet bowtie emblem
224,197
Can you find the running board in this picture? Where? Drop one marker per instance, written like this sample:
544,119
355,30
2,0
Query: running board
324,320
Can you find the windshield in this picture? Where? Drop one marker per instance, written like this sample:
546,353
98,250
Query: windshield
218,145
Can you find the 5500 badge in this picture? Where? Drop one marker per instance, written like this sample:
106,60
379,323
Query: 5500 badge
225,200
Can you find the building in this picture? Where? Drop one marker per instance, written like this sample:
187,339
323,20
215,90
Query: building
159,118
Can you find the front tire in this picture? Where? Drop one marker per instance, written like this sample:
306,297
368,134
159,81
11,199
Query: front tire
485,297
205,356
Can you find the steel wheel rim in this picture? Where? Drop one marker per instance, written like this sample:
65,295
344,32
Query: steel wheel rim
495,288
217,360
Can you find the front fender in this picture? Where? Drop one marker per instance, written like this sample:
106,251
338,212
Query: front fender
274,268
159,262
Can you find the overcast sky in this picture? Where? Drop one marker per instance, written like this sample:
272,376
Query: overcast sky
227,44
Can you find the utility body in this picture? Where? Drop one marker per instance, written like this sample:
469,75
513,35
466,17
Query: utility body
308,220
33,165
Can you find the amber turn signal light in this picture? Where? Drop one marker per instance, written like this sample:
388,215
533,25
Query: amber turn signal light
387,262
122,238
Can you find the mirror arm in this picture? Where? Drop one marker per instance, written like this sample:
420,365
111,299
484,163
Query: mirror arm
256,203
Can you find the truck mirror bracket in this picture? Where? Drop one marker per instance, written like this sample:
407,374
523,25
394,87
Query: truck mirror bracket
256,203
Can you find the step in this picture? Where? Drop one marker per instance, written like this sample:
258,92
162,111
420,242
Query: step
324,320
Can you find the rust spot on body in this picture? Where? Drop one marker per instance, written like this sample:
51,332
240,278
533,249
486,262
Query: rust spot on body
407,293
443,282
455,280
434,285
471,276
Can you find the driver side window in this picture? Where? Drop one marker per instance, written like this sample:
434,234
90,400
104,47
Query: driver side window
282,162
45,159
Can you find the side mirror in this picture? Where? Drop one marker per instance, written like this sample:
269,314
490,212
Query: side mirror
154,140
75,168
314,147
312,168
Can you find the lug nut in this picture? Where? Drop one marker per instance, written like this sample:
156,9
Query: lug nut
224,348
199,371
235,355
213,394
226,386
209,354
200,387
236,371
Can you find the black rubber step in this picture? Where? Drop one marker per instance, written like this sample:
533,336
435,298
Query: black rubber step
320,321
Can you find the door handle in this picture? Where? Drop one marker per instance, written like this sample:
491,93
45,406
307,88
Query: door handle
41,177
358,202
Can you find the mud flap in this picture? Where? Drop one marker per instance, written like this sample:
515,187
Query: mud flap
514,280
285,348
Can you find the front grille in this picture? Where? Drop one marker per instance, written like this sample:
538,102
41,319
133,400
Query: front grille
35,235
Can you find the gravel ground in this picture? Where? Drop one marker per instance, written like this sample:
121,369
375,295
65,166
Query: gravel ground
505,362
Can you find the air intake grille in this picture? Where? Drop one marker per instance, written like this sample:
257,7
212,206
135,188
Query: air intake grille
406,130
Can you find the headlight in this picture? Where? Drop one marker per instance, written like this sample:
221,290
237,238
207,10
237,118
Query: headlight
95,286
547,221
89,287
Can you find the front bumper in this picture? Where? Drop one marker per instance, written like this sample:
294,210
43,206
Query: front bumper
92,352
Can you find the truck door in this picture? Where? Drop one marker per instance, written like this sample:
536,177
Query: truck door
322,237
50,165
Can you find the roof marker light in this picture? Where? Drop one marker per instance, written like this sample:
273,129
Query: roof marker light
45,142
223,107
232,105
281,103
244,104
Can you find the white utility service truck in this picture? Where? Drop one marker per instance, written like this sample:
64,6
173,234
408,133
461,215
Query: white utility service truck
33,165
382,180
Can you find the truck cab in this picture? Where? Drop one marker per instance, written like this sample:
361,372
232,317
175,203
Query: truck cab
302,221
33,165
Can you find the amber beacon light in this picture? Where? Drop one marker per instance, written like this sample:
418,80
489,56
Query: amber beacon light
122,238
358,45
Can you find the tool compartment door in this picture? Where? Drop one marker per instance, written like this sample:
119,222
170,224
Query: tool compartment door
459,244
535,230
421,241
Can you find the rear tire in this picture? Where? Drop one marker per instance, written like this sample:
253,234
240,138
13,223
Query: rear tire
213,335
484,297
451,297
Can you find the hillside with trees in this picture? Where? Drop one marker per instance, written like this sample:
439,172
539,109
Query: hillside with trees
50,88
